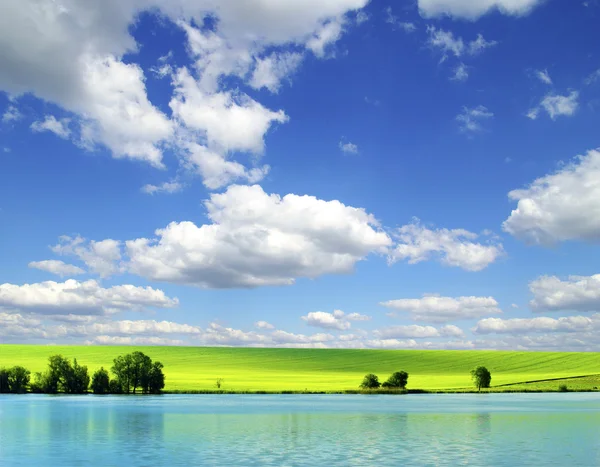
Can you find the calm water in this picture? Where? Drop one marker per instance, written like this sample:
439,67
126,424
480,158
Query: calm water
290,430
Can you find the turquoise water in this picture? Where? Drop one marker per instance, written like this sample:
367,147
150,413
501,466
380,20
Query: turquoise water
295,430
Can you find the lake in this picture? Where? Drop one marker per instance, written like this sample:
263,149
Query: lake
301,430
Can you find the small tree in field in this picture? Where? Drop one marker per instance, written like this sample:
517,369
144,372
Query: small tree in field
481,377
101,382
370,381
399,379
219,383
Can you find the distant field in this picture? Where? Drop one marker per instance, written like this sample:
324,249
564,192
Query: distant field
252,369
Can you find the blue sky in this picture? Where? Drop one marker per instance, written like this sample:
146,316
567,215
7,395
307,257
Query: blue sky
347,173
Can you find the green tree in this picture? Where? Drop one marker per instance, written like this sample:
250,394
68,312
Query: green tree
155,381
481,377
136,370
101,382
4,388
18,379
370,381
114,387
399,379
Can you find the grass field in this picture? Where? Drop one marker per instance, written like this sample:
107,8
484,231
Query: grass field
256,369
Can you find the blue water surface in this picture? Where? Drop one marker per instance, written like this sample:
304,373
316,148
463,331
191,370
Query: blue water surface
301,430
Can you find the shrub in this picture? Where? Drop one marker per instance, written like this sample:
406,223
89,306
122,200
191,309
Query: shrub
114,387
563,388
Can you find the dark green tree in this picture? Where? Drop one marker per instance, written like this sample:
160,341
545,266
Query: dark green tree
370,381
399,379
136,370
18,379
101,382
122,369
114,387
4,387
481,377
156,379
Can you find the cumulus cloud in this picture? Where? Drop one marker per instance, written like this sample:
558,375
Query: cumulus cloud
71,54
415,331
101,257
263,325
577,293
470,119
537,325
59,127
271,70
437,309
86,298
472,10
561,206
337,320
556,105
57,267
458,248
258,239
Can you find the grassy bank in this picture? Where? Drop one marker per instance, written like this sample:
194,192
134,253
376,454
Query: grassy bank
255,370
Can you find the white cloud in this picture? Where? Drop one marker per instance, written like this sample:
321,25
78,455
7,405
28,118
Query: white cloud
258,239
577,293
101,257
336,320
406,26
593,77
348,148
119,340
227,121
326,35
556,105
11,114
447,43
414,331
59,127
361,17
73,297
561,206
461,73
263,325
458,247
538,325
543,76
57,267
470,120
70,53
166,187
437,309
473,9
271,70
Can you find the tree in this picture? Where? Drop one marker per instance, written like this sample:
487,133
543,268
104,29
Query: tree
4,388
114,387
481,377
219,383
399,379
101,382
18,379
79,379
136,370
370,381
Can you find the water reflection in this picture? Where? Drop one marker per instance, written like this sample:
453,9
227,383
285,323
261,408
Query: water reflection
271,431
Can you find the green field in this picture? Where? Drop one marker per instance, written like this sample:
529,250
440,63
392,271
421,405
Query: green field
256,369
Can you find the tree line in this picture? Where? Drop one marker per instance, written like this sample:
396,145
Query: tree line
481,377
131,373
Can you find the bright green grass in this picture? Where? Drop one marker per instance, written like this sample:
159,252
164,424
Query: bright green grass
255,369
